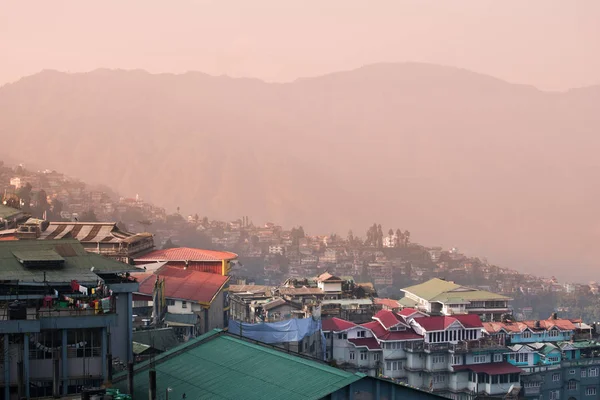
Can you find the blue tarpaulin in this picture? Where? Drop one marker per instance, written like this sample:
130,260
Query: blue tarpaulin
291,330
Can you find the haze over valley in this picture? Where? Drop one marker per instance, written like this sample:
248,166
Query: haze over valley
460,159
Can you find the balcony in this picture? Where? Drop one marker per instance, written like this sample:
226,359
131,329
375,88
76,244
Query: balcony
581,362
436,347
32,319
413,346
475,345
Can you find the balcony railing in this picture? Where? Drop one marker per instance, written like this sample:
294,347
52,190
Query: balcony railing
581,361
474,345
413,346
36,314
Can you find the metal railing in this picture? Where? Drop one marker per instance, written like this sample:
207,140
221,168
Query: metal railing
36,314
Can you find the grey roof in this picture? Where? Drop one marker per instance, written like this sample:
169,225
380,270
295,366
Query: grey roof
78,264
161,339
181,319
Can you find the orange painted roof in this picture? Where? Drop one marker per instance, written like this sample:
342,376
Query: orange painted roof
187,254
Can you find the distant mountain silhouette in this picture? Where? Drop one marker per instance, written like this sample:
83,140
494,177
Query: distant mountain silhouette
458,158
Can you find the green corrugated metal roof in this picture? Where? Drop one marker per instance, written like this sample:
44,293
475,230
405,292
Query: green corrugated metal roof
77,265
440,290
161,339
220,366
139,348
8,212
432,288
37,255
406,302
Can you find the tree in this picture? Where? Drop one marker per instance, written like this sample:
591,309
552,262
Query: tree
88,216
169,244
297,234
379,236
41,204
57,208
350,237
25,195
391,232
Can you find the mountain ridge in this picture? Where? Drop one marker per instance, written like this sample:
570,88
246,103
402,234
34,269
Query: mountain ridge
459,158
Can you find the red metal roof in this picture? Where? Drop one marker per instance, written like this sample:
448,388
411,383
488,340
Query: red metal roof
369,343
435,323
498,368
336,324
382,334
185,284
440,323
519,326
407,312
469,320
187,254
387,318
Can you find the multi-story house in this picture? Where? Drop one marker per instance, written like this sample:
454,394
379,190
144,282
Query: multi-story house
558,357
440,297
196,302
65,316
446,355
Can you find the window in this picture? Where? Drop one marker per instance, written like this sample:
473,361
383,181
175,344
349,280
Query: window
522,357
170,302
583,373
554,359
364,356
572,385
342,336
183,304
360,334
590,391
393,365
554,333
555,377
571,372
497,357
479,359
593,372
376,356
554,394
439,378
438,359
352,355
456,360
526,334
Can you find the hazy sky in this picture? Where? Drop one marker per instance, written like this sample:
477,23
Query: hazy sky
548,43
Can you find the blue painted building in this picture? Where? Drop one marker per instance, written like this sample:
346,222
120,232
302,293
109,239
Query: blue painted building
65,314
559,358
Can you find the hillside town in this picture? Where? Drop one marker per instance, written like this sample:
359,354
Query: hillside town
99,292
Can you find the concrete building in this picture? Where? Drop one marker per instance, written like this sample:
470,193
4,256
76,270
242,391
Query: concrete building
440,297
559,357
241,369
65,316
196,302
445,355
